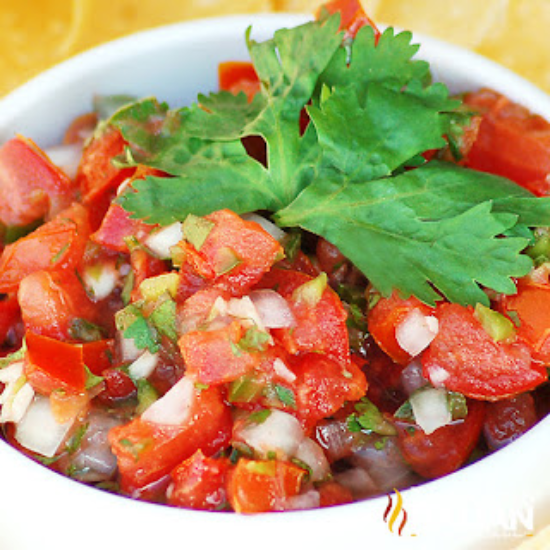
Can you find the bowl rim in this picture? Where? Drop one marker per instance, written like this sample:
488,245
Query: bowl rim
481,69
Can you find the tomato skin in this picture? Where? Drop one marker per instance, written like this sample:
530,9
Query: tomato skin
320,328
213,356
10,316
464,358
322,387
50,301
353,17
52,364
256,486
507,419
531,305
57,245
255,251
238,76
98,355
146,452
199,483
511,142
385,317
31,186
444,450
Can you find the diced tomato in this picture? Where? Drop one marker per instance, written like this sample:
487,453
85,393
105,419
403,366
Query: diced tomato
144,266
511,142
322,386
80,129
31,186
10,316
51,301
531,305
444,450
195,310
236,253
146,451
352,14
464,358
384,318
214,356
239,76
97,175
320,328
52,364
333,494
199,483
57,245
98,355
301,262
263,485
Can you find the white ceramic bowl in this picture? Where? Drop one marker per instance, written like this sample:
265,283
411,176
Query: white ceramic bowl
492,504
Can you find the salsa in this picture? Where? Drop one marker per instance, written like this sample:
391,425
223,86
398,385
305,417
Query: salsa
324,282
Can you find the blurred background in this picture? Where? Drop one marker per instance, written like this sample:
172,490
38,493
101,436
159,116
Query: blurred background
35,34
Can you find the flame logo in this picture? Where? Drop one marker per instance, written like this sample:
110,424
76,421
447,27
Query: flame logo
395,512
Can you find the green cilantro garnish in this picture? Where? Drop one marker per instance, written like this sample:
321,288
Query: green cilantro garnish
143,334
163,318
85,331
259,417
443,229
76,440
368,418
91,379
146,395
286,396
254,340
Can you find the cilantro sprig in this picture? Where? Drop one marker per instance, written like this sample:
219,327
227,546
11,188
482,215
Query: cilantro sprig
355,176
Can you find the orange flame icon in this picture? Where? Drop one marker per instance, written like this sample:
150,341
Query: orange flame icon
395,512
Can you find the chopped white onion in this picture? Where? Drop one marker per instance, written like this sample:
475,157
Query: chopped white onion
174,407
273,309
160,242
66,157
128,349
283,371
269,227
306,501
437,376
243,308
17,402
101,280
144,365
280,433
416,332
38,431
311,454
11,373
430,409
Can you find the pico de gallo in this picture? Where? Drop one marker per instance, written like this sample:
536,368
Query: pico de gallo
184,319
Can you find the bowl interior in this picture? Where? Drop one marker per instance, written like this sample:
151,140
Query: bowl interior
175,63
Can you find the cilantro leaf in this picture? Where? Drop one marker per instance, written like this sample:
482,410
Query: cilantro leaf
143,334
429,227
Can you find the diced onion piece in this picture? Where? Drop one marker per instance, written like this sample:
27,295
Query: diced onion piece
38,430
101,280
17,402
128,349
144,365
66,157
306,501
283,371
273,309
430,409
437,376
11,373
280,433
416,332
269,227
243,308
174,407
311,454
160,242
154,287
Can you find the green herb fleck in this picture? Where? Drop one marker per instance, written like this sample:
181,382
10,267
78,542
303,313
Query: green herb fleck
285,395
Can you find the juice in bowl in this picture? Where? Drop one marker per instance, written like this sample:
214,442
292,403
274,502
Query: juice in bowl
183,349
